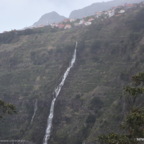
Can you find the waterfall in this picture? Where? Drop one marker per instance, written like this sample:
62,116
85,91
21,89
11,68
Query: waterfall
35,109
56,94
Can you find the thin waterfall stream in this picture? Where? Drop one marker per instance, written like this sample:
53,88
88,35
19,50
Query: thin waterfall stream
35,110
56,94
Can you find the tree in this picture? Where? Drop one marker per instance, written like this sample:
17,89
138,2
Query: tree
134,120
6,108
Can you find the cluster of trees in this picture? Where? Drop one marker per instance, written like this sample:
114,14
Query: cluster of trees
133,124
6,108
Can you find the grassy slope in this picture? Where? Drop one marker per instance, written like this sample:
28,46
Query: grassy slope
32,63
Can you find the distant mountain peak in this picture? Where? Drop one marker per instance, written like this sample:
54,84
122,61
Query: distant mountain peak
49,18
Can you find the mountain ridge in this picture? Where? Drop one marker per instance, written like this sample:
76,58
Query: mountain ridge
101,6
54,17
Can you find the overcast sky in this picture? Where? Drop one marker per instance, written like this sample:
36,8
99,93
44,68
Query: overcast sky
17,14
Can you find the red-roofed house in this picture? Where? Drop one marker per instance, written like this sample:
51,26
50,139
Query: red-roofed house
61,26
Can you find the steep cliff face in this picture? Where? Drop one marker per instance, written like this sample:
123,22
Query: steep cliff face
32,63
91,102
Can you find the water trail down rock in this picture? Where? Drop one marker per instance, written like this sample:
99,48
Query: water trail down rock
35,109
56,94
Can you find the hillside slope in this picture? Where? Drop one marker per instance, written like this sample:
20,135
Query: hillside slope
32,63
97,7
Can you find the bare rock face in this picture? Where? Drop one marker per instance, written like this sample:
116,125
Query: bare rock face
101,6
49,18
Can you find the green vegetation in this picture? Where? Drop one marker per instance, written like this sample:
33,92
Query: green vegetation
91,102
6,108
134,120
